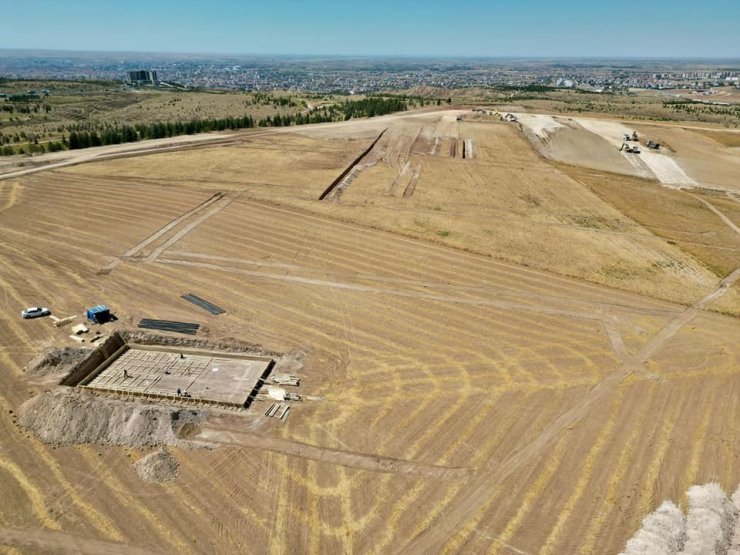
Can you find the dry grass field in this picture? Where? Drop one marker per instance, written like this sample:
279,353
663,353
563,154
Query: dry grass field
500,354
506,202
683,219
725,138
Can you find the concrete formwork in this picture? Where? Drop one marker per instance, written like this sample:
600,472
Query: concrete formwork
223,378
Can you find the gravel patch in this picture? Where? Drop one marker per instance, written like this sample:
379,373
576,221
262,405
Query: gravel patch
158,467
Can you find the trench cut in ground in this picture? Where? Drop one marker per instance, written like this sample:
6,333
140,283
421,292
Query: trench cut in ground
175,374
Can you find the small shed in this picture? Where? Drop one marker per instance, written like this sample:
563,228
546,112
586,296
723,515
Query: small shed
98,314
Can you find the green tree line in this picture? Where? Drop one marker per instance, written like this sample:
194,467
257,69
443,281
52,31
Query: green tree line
113,135
367,107
90,134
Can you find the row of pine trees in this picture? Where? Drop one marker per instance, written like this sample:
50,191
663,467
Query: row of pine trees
107,134
350,109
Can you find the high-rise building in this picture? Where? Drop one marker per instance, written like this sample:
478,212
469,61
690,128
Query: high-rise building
143,77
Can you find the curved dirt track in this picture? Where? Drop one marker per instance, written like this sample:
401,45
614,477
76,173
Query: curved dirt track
469,501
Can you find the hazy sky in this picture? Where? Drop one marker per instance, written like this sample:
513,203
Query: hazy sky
544,28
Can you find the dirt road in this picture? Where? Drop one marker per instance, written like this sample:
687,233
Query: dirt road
219,434
56,542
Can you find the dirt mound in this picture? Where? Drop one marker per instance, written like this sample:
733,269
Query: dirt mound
56,361
708,527
734,548
663,531
146,338
70,417
160,466
710,520
563,140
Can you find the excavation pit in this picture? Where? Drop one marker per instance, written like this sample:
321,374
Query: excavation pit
179,374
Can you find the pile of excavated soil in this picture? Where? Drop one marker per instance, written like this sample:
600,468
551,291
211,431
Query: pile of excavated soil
160,466
146,338
710,526
70,417
710,520
563,140
56,361
663,531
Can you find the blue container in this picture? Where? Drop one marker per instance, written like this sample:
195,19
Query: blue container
98,314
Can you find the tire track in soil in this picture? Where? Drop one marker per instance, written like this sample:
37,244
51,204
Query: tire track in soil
721,215
437,257
57,541
539,309
585,474
219,205
470,500
626,455
134,251
228,518
411,187
463,534
374,463
9,193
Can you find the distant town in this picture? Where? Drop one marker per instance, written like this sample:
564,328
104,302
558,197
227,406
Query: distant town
365,75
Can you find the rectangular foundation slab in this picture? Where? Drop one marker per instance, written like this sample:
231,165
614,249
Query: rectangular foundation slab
231,379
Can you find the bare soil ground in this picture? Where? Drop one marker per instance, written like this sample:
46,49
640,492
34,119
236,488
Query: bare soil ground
454,402
689,156
709,157
564,140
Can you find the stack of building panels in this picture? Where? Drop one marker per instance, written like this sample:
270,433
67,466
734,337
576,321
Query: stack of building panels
204,304
169,325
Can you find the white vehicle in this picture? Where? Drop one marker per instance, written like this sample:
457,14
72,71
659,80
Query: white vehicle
35,312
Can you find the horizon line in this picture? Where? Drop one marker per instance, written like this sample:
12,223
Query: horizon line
532,57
